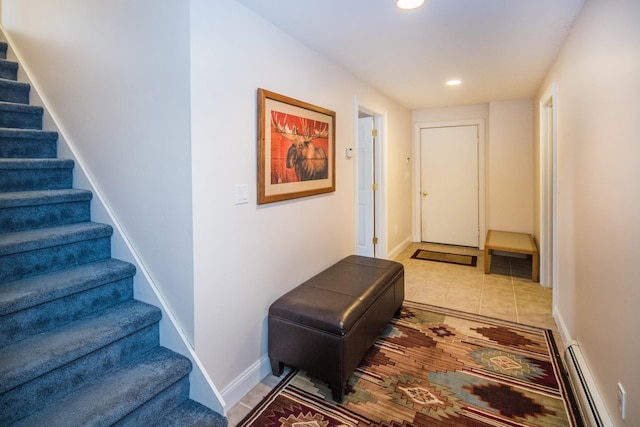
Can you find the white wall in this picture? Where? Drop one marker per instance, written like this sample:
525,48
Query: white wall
117,75
399,163
510,166
466,112
246,256
598,106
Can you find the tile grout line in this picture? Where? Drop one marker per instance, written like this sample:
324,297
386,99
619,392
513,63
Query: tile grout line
513,293
481,294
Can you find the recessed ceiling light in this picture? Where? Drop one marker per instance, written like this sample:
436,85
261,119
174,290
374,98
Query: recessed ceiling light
454,82
409,4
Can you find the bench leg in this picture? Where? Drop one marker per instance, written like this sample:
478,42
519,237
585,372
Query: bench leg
276,367
338,392
487,260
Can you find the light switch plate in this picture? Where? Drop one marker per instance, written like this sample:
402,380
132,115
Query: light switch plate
241,194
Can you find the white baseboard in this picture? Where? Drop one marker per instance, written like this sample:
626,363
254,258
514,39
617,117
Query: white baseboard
587,387
587,394
243,384
562,327
399,248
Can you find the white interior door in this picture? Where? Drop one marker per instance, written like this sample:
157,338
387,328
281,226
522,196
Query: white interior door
449,185
366,206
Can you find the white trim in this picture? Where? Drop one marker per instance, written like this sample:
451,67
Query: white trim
246,381
482,226
172,336
381,122
399,248
548,167
584,385
562,326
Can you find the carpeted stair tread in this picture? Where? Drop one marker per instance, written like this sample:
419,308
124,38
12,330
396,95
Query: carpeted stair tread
192,414
21,174
24,241
26,210
27,133
8,69
3,49
28,359
111,398
20,116
8,164
28,144
21,108
32,306
25,293
43,197
13,91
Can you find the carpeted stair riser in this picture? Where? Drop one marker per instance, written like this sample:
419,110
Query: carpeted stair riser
74,355
35,174
8,69
12,91
54,387
18,116
32,144
119,395
29,253
75,348
26,293
39,209
57,312
29,264
164,401
189,413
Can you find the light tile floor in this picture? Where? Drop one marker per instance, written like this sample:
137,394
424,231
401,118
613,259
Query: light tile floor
507,293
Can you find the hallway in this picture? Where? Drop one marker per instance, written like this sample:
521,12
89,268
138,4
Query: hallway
507,293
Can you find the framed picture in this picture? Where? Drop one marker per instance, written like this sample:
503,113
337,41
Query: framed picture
296,148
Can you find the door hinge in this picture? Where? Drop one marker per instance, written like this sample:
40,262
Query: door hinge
374,133
375,240
374,187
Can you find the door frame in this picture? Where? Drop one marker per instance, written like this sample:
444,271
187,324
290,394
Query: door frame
548,190
380,177
417,167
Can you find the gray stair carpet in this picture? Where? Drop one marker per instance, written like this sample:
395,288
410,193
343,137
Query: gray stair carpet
76,348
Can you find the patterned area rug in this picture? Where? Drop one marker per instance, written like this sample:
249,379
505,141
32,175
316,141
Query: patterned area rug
425,255
436,367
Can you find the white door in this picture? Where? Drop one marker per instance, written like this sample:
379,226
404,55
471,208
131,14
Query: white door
366,204
449,185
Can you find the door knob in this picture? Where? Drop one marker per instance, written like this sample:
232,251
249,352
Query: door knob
424,194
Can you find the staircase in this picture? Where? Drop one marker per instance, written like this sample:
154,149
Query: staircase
75,348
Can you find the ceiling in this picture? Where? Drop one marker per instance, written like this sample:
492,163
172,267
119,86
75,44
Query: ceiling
500,49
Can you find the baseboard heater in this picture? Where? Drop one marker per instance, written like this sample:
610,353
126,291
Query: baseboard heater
591,405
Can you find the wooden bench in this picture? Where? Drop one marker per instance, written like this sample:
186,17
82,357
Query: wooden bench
505,241
327,324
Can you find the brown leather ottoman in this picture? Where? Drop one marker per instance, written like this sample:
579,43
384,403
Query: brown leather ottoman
326,325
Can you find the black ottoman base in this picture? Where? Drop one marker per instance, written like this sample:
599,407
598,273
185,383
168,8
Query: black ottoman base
326,325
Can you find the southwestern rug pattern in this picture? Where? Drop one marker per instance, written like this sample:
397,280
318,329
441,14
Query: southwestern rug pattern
425,255
436,367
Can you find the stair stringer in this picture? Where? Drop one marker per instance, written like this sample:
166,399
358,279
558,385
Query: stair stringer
172,336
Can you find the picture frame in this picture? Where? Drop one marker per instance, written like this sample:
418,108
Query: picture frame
296,148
